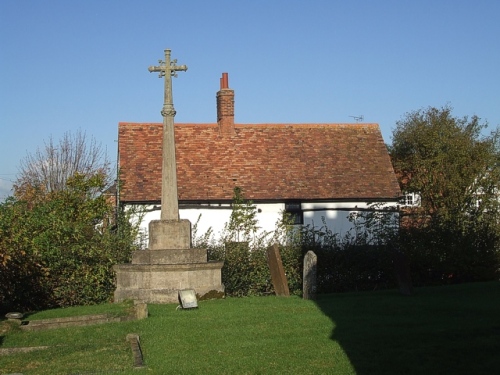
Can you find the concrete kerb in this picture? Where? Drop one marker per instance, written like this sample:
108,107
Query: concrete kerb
135,346
140,311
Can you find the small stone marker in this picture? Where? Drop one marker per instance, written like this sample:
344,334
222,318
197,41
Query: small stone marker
309,275
14,315
140,310
135,346
187,298
278,276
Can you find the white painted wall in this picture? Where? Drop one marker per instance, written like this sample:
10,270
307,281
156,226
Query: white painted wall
337,221
336,214
268,214
216,218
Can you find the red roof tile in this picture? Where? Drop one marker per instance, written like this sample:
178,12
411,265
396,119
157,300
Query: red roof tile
268,161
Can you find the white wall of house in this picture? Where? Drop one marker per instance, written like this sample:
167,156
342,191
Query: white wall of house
216,217
336,220
335,215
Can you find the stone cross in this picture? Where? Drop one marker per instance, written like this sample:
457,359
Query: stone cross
169,199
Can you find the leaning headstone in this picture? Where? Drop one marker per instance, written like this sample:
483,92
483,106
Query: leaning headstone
402,269
278,276
309,275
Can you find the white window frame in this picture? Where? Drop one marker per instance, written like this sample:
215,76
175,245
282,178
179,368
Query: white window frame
411,200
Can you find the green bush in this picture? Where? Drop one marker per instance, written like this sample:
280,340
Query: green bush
443,254
359,261
364,259
244,252
60,250
246,271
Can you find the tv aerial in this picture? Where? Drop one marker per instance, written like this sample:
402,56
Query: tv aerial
358,118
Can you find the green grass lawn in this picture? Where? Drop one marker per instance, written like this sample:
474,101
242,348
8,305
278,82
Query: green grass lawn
440,330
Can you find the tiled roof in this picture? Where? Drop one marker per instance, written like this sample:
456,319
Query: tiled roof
268,161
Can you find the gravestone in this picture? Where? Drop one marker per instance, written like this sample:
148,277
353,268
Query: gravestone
278,276
169,264
309,276
140,310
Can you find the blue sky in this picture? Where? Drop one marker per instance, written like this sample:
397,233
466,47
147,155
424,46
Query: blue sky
69,65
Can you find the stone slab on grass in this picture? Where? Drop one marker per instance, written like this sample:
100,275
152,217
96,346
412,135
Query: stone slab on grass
139,312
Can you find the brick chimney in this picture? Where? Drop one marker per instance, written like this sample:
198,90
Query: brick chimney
225,107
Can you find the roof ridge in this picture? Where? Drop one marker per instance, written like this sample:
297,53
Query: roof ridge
265,124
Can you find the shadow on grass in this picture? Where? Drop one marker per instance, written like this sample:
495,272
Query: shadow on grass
439,330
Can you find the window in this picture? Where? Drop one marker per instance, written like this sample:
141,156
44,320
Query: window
294,209
411,200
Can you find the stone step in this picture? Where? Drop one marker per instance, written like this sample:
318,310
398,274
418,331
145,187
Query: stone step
168,295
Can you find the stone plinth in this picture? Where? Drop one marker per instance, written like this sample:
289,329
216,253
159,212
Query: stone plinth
160,283
169,234
156,275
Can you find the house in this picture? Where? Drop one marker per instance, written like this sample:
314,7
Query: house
313,171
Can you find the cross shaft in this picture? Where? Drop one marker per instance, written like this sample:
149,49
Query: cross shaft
169,197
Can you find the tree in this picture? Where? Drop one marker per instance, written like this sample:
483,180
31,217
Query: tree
59,235
48,169
455,234
242,223
448,161
59,252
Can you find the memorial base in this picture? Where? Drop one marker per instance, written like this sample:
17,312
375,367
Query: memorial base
156,275
160,283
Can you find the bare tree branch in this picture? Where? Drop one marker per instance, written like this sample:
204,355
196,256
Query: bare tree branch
48,169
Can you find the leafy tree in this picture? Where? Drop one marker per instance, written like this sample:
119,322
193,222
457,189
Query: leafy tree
455,234
447,161
243,221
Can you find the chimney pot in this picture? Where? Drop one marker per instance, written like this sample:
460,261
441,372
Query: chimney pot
224,81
